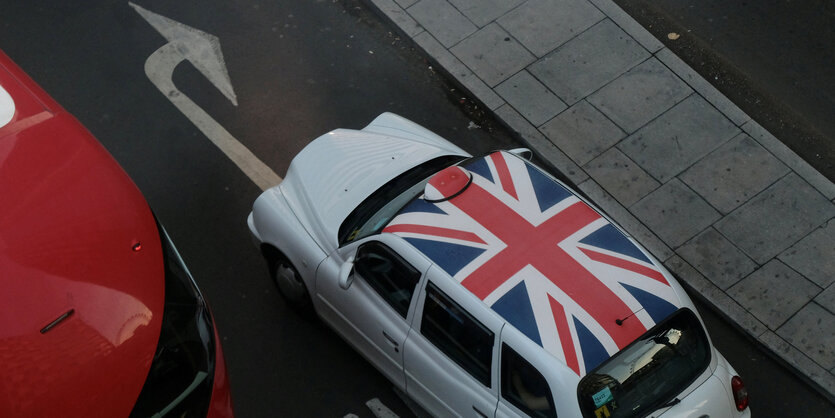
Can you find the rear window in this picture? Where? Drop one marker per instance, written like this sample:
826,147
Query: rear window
650,372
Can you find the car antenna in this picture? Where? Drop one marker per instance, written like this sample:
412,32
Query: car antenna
621,321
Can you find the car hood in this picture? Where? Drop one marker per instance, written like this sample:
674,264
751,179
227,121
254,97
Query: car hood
337,171
81,306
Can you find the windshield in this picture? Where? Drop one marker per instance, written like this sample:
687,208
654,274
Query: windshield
180,380
648,373
375,212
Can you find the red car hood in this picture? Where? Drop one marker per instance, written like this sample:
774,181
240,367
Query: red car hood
70,219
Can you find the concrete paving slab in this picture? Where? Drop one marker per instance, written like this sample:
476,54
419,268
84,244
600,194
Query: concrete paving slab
628,24
799,360
442,20
715,257
640,95
458,70
804,332
675,213
582,132
774,293
482,12
621,177
530,98
589,61
492,54
541,145
826,299
702,86
626,220
715,296
394,11
777,218
814,256
792,160
679,138
686,273
543,25
734,173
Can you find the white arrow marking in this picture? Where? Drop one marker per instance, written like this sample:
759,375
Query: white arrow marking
203,51
379,410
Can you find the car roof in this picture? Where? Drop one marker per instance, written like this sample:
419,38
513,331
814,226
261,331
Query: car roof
542,258
81,305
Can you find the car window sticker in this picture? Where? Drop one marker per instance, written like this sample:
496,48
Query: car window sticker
603,397
353,235
602,412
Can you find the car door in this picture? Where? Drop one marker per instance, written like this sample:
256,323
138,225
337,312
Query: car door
374,312
451,351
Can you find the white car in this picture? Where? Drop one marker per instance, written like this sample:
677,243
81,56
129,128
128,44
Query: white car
482,286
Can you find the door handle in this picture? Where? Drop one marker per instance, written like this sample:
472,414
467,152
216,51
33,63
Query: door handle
392,341
481,414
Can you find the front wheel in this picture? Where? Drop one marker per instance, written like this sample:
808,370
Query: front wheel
290,285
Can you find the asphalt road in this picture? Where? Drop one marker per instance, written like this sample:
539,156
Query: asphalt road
773,58
299,69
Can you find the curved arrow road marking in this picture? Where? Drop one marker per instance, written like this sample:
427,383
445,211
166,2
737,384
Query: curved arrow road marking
203,51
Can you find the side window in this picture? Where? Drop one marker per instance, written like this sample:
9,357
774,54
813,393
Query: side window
388,274
524,387
456,333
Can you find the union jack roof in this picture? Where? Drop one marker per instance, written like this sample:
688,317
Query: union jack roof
541,258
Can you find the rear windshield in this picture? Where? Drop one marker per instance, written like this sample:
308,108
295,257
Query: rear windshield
649,373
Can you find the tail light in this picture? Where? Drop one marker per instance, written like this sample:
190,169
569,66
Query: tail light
740,393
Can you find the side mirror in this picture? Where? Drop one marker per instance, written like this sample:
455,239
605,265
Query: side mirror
345,278
522,152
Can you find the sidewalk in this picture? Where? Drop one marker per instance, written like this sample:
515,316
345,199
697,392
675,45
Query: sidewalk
725,205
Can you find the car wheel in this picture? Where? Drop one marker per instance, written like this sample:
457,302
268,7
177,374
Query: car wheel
290,285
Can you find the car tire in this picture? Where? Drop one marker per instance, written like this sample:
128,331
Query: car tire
290,285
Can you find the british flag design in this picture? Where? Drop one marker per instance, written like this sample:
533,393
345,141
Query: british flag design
542,259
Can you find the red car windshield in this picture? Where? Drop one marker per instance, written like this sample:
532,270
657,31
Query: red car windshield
180,380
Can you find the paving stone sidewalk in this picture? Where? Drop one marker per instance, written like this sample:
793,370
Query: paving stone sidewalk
720,201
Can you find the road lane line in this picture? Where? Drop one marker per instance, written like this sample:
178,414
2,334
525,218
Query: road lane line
379,410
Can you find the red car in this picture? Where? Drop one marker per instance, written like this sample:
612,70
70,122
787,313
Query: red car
98,314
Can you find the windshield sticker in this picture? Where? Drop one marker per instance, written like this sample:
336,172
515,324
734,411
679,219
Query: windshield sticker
602,412
603,397
353,235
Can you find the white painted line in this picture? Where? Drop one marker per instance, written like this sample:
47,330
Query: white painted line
7,107
203,51
379,410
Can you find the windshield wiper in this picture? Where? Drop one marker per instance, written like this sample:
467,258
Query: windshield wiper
673,402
